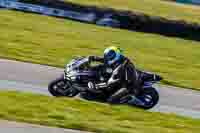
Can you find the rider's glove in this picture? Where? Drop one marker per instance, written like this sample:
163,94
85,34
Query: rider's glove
157,77
96,88
91,85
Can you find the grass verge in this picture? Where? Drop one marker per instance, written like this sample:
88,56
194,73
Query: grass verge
88,116
46,40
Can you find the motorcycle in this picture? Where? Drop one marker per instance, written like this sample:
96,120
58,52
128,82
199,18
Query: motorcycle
78,72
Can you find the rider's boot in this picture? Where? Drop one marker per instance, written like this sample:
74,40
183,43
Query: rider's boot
115,98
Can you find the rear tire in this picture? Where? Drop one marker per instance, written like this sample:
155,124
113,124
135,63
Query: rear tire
150,96
60,87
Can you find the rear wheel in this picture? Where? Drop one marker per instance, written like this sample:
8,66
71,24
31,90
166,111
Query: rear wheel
61,87
149,97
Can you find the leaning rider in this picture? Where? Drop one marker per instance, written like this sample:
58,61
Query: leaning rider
124,75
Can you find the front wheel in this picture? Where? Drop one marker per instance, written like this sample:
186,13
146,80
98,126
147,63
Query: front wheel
61,87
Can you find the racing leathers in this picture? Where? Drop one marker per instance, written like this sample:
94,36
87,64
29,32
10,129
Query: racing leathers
123,79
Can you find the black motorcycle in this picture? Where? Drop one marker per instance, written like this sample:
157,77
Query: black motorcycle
78,72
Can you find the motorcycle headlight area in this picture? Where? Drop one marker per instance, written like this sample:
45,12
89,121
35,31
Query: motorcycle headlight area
68,68
71,75
73,78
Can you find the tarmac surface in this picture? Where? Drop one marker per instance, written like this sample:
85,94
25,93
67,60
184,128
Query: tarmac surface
14,127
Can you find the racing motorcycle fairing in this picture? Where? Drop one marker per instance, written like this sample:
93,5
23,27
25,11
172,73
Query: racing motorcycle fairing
78,73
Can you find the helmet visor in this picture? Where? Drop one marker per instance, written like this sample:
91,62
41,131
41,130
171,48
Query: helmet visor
110,55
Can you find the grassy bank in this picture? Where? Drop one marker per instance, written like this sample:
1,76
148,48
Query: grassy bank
96,117
161,8
51,41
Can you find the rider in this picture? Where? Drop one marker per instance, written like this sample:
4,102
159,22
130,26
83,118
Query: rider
124,75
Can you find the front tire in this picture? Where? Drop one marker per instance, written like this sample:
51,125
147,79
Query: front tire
60,87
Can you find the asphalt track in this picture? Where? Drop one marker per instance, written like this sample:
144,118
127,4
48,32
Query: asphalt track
34,78
13,127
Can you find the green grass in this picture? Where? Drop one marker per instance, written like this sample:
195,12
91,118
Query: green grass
160,8
88,116
46,40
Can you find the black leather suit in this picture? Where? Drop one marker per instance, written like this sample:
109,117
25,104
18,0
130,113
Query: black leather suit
124,78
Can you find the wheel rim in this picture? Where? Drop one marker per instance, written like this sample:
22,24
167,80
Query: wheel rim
147,99
61,87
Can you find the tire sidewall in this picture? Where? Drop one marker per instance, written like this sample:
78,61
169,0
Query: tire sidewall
53,83
155,96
